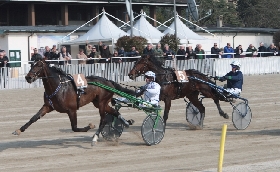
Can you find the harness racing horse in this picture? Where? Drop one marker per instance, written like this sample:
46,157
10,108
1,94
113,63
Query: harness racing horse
61,95
171,90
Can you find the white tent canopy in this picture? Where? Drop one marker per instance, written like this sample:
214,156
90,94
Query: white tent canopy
183,32
103,30
143,28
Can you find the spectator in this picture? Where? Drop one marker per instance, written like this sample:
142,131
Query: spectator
64,56
3,63
251,50
116,60
132,53
215,50
196,47
181,53
149,50
228,49
47,53
35,57
54,56
54,47
82,57
121,52
88,48
199,51
93,54
105,53
262,48
272,49
238,51
158,50
190,53
168,53
3,59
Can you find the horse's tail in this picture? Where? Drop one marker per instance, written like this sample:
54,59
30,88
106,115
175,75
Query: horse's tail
121,88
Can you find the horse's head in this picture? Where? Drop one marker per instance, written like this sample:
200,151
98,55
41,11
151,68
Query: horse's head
36,71
140,67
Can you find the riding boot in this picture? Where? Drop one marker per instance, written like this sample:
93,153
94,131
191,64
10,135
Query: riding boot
125,123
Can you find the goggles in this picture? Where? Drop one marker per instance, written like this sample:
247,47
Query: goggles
234,66
149,77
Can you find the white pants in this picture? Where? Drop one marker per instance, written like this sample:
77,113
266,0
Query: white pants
235,91
122,99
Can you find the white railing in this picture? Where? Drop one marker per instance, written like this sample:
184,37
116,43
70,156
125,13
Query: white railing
14,78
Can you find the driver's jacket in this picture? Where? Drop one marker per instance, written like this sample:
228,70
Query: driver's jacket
235,80
152,92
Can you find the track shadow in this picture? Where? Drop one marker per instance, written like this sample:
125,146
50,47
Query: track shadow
58,143
177,126
275,132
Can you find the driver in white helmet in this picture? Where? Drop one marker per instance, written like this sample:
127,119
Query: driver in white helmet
234,79
151,90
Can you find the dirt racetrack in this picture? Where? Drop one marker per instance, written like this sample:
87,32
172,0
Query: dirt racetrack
50,145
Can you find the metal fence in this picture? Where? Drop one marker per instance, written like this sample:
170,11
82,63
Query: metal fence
14,78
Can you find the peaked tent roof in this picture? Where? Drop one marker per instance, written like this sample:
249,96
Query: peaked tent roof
103,30
183,32
146,30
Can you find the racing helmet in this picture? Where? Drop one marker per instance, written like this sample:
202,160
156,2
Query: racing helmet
150,74
235,63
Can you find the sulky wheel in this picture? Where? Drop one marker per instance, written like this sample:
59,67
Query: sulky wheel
241,116
113,128
193,115
152,129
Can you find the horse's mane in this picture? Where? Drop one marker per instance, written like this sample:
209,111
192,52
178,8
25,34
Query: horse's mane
196,72
58,70
116,85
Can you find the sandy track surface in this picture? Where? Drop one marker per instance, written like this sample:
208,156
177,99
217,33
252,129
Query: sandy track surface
50,145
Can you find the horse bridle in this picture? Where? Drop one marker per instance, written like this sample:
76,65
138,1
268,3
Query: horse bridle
139,71
39,71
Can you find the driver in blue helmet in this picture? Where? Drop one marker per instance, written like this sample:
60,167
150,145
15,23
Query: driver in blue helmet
234,79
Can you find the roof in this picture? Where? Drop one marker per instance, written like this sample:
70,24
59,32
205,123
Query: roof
146,2
146,30
43,28
103,30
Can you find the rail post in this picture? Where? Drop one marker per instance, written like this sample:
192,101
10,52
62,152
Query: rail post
222,146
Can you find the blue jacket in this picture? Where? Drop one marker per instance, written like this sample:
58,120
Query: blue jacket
235,79
228,50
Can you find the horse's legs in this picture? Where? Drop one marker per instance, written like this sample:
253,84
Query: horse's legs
221,112
73,119
45,109
193,98
167,104
104,107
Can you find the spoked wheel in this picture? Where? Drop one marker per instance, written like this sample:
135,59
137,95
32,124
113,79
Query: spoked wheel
241,116
193,115
113,128
152,129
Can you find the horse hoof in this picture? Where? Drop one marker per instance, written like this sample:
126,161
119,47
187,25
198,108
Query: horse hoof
226,116
91,126
17,132
93,143
131,121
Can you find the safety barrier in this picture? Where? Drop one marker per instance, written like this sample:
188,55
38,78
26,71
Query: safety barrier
14,78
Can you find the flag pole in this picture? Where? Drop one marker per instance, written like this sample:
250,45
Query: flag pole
131,18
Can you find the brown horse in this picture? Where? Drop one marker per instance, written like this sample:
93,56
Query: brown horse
171,90
61,95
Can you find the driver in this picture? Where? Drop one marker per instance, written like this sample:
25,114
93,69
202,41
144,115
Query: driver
151,90
234,79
